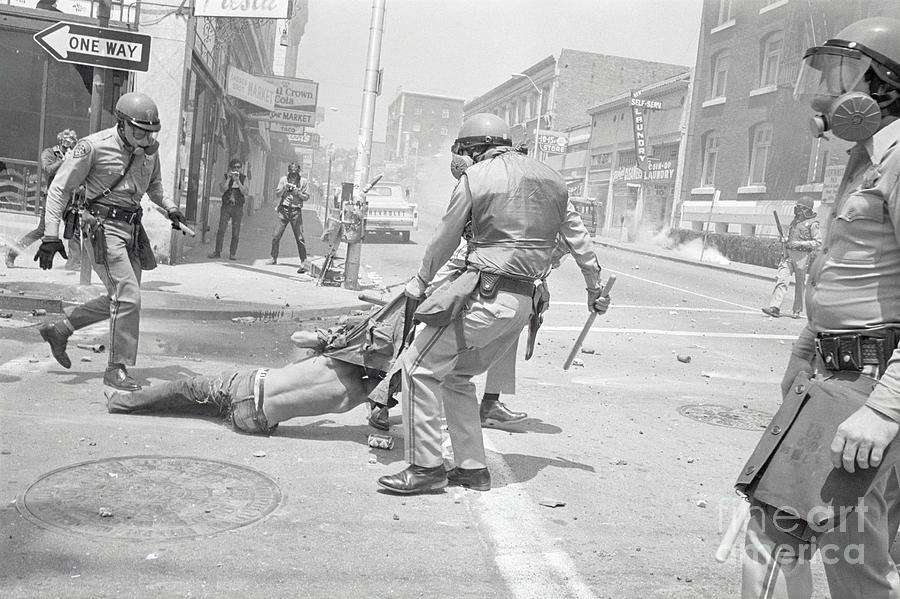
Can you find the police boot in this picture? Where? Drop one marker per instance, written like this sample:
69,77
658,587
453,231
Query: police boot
57,335
773,311
415,479
117,376
478,479
378,417
494,412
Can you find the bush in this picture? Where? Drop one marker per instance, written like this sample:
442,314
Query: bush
762,251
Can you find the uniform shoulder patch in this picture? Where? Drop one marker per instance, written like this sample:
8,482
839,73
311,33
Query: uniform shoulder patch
81,149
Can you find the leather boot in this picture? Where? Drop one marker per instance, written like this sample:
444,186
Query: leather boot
57,335
117,376
773,311
478,479
378,417
494,412
415,479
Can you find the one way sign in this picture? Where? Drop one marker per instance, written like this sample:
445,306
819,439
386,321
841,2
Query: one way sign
96,46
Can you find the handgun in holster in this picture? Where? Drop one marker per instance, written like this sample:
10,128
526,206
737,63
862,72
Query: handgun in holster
95,233
72,213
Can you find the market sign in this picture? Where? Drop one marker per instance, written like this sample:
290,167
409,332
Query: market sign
553,142
287,117
96,46
294,94
249,88
305,140
656,171
244,9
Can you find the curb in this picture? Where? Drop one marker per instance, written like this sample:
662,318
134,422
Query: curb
721,267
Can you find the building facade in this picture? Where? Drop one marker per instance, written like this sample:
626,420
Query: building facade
555,93
748,139
421,124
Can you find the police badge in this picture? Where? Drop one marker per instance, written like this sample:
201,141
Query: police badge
81,149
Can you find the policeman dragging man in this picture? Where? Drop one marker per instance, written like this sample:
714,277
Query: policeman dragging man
107,175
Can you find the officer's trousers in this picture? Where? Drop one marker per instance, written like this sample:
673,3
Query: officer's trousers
439,366
122,303
786,268
501,376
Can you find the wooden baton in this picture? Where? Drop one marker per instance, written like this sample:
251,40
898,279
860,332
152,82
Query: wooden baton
740,517
588,324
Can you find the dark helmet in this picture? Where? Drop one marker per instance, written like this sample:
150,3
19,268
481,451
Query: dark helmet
139,110
806,202
879,39
482,129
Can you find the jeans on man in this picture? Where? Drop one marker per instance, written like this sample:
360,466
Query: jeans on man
230,211
294,217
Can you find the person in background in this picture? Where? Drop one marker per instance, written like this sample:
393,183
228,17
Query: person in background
233,188
802,240
292,190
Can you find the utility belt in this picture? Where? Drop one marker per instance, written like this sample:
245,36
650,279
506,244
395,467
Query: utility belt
116,213
490,284
856,351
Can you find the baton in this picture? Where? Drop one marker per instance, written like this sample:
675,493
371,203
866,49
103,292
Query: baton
372,299
738,519
588,324
185,230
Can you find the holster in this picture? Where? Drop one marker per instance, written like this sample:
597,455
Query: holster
95,233
145,248
540,303
71,214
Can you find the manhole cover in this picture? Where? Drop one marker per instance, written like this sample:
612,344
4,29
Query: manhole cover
149,497
743,418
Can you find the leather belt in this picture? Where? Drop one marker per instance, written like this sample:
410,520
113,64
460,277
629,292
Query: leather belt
491,283
116,213
852,351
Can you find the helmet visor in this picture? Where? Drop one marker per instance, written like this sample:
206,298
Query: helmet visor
143,134
828,72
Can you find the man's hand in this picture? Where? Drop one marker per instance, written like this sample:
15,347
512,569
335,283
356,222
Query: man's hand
861,439
49,247
177,217
597,301
415,289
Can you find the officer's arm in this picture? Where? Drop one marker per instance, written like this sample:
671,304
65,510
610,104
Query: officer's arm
71,174
450,229
155,189
576,239
454,266
813,243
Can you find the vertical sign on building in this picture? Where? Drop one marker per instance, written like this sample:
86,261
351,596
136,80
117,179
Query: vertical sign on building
640,132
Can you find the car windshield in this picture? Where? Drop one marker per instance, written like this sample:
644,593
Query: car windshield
380,190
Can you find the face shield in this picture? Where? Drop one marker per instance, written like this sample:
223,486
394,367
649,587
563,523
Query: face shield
141,139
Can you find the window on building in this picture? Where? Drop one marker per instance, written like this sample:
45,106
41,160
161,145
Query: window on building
759,153
522,112
418,111
770,50
444,131
725,7
445,113
417,127
601,160
710,157
719,75
507,114
545,100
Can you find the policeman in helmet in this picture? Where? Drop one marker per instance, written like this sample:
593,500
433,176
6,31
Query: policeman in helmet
803,238
825,474
116,167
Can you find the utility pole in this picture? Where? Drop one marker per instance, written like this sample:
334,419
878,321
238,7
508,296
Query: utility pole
355,221
537,123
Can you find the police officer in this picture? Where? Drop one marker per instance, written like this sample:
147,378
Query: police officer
292,190
517,207
51,159
802,240
116,166
825,474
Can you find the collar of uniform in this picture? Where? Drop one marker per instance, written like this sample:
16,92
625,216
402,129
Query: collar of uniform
882,141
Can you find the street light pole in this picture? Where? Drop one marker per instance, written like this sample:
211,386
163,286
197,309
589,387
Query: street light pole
537,123
329,152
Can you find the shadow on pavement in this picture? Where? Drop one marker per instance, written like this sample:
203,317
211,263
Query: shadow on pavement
142,375
526,467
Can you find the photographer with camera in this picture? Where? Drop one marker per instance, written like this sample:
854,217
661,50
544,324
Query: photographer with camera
292,191
233,188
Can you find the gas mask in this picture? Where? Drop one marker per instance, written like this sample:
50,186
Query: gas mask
833,81
141,141
458,165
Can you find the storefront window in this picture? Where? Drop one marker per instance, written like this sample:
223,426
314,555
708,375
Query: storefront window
22,64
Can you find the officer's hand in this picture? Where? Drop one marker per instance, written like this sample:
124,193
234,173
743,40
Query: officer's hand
792,245
861,439
795,366
177,217
49,248
415,289
597,302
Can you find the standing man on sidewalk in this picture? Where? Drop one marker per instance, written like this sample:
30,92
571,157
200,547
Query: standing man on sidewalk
291,192
51,159
233,188
517,207
116,167
825,475
802,240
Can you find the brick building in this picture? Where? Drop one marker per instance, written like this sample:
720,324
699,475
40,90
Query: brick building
420,123
565,87
748,139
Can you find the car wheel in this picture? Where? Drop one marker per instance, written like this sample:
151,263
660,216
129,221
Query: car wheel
404,236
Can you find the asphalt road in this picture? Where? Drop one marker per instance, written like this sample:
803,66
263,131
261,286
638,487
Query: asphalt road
641,490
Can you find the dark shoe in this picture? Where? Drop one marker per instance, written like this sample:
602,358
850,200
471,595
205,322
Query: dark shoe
272,261
415,479
215,255
772,311
378,417
303,268
232,257
11,257
495,413
795,315
116,376
57,340
478,479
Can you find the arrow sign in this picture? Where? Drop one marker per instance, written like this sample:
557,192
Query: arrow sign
96,46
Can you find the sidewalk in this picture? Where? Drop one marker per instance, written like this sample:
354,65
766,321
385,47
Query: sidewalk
200,287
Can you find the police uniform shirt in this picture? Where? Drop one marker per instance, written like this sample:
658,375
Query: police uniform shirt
517,207
97,161
855,281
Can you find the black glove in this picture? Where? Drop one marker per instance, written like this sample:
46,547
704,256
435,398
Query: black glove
47,251
176,217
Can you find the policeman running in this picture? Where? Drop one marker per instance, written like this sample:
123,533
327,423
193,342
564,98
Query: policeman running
802,240
108,173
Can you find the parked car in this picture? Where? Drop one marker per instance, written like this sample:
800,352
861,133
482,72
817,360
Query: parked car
390,211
